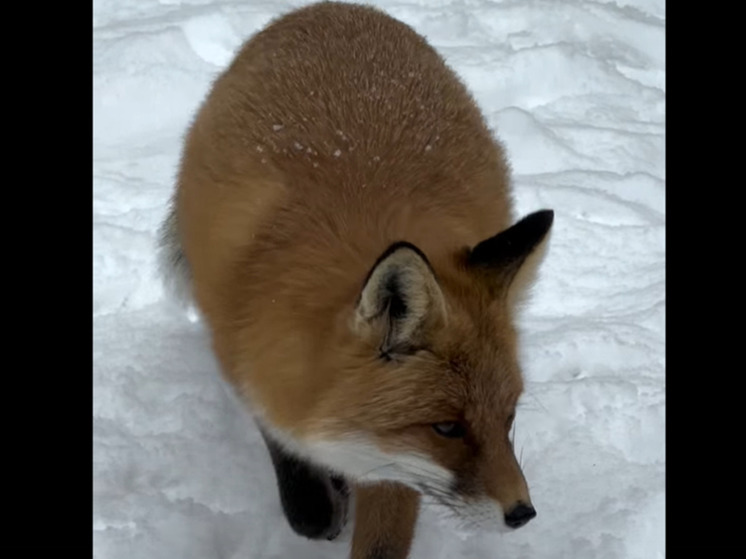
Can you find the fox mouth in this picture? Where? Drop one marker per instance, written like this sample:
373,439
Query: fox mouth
483,515
443,498
426,489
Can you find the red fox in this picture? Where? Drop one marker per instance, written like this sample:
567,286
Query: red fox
343,220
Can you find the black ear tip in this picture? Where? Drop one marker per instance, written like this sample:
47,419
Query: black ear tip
542,219
546,216
515,243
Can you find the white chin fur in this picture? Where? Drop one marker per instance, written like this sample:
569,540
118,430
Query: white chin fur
483,516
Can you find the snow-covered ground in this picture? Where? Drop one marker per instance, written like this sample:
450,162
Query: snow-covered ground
575,88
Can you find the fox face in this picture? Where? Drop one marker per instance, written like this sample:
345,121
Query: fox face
428,378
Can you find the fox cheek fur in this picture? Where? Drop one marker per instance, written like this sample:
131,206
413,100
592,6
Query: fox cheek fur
343,220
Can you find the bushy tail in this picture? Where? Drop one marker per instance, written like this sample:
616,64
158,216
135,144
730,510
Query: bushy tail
173,266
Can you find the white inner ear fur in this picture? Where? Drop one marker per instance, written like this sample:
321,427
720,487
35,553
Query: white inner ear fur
414,281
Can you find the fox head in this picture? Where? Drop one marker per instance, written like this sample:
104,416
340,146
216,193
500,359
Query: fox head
428,377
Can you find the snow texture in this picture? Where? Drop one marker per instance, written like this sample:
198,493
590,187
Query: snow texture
576,90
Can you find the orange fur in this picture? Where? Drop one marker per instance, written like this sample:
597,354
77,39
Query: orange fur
385,522
336,132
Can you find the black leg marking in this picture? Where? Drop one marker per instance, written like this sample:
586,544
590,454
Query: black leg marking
315,501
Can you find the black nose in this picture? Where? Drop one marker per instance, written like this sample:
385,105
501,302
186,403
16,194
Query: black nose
519,515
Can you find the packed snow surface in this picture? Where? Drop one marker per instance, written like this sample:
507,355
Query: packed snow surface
576,91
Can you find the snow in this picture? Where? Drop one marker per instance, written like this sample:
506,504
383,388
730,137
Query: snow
576,90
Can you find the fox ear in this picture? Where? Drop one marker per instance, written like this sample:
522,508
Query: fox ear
400,300
502,257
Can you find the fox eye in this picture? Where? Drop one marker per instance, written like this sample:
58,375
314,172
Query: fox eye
450,429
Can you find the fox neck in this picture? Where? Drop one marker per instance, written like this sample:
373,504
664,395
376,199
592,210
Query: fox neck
359,459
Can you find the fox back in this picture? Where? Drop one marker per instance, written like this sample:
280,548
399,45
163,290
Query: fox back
344,215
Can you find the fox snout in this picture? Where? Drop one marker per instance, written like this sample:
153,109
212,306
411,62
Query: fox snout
506,485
